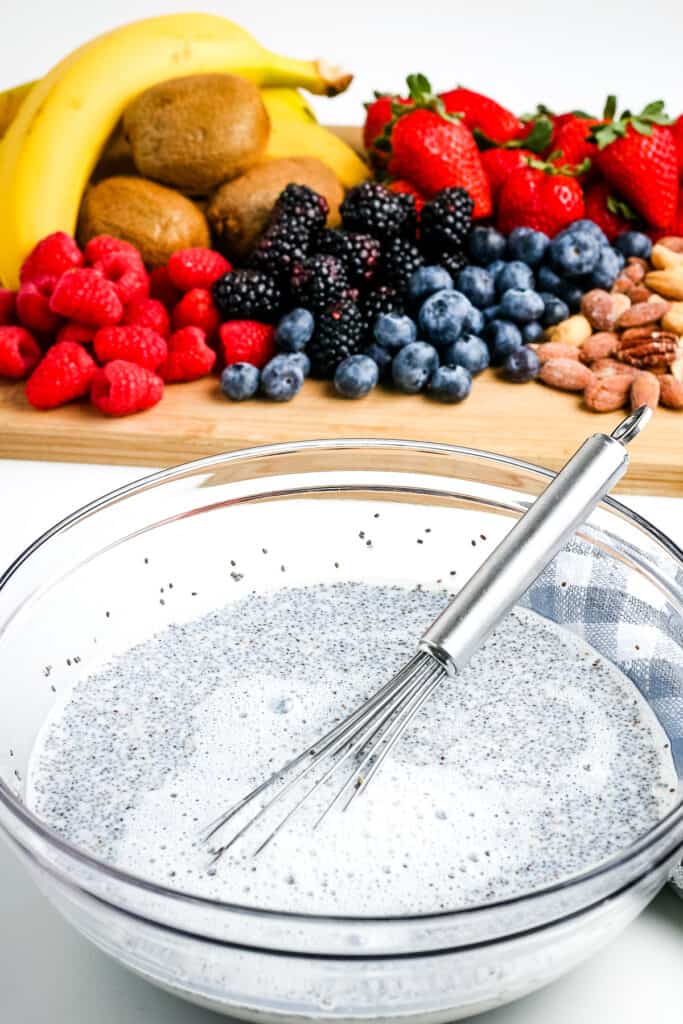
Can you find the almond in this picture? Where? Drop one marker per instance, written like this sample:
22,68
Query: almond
673,320
572,331
601,345
599,308
622,283
667,282
643,313
621,302
671,392
606,394
636,271
556,350
611,368
639,293
565,374
645,390
662,257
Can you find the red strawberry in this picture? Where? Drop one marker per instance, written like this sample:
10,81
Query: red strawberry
482,114
677,129
540,196
571,141
378,116
637,155
402,186
611,214
498,164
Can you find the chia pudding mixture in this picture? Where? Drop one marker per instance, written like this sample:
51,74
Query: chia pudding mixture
537,762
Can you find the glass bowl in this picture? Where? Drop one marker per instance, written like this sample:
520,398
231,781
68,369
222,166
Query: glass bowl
100,581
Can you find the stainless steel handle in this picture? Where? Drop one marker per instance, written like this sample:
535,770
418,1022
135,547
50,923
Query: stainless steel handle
531,544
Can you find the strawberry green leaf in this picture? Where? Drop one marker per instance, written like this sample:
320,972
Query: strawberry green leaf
539,137
642,127
583,114
610,108
621,208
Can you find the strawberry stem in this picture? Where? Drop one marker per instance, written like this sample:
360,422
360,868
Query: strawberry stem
653,114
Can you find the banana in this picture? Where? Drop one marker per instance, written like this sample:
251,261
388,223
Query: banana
52,145
10,101
300,138
286,105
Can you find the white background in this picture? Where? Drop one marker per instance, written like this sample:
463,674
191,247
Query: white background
520,51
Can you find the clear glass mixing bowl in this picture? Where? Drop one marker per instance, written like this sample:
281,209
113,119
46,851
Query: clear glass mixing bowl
92,586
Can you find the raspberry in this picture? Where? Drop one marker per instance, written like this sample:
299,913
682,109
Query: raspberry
86,296
33,304
189,357
140,345
247,341
197,309
160,287
63,374
121,388
102,245
127,273
52,256
19,352
8,306
196,268
81,333
148,313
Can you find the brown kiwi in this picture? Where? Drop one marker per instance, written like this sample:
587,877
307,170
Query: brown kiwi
238,211
116,157
196,132
155,219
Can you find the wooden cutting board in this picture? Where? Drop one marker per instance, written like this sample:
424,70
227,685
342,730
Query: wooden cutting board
528,421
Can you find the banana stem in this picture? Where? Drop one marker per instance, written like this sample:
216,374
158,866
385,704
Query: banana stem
317,76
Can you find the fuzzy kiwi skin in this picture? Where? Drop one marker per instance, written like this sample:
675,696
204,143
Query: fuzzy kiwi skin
238,211
157,220
196,132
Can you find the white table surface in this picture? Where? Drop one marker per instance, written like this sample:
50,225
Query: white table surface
49,974
522,53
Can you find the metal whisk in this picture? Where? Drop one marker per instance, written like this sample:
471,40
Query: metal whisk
363,740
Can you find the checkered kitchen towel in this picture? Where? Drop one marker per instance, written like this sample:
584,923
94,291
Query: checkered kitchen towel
627,618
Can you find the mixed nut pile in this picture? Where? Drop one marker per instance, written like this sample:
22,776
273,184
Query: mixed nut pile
624,345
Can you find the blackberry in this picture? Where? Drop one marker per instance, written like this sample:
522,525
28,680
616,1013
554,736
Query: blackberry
399,259
453,262
302,209
247,295
383,299
318,282
338,334
298,216
445,221
279,251
372,209
360,254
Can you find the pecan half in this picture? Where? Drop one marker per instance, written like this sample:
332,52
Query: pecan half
661,349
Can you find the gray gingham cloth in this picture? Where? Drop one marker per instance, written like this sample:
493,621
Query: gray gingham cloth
626,618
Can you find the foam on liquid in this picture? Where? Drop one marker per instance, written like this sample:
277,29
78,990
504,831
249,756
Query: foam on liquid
537,762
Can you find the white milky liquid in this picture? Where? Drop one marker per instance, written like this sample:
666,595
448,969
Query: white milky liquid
539,761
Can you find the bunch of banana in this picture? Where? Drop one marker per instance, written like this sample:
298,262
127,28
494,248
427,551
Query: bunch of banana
57,127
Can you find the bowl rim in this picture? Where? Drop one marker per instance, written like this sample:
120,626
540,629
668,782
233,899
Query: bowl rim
40,830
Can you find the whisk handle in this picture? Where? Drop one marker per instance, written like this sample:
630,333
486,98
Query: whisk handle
531,544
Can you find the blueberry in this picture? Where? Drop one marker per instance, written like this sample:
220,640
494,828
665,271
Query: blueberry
383,358
302,361
427,280
502,338
532,332
356,376
240,381
477,285
495,268
573,254
586,227
521,365
294,330
607,269
547,280
484,245
571,292
468,351
514,275
450,383
442,315
413,365
281,379
392,331
527,245
474,321
634,243
521,305
554,310
491,313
